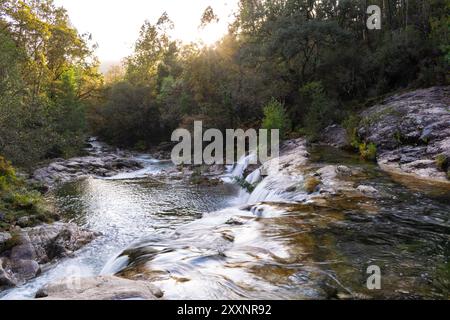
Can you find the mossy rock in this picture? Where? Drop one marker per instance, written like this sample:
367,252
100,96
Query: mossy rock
442,162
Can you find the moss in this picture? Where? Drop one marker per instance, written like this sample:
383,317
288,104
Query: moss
311,184
18,199
368,151
442,162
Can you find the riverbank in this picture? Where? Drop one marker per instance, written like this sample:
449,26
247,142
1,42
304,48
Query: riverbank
407,134
308,231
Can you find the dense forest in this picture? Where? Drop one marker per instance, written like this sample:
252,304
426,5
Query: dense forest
47,76
297,65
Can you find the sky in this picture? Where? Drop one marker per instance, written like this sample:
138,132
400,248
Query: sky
115,24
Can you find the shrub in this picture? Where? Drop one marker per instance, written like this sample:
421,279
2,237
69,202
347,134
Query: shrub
442,162
351,126
275,117
319,109
368,151
6,169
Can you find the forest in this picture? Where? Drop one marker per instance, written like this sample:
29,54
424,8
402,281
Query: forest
296,65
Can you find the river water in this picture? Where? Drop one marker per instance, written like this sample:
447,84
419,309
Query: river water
197,242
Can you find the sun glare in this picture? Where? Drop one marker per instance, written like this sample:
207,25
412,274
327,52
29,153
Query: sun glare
117,29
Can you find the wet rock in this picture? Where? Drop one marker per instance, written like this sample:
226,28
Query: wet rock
24,250
57,240
25,269
367,189
7,279
100,162
4,238
411,130
236,221
99,288
23,222
33,247
336,136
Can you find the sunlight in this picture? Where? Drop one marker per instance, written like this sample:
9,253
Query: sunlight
117,28
209,35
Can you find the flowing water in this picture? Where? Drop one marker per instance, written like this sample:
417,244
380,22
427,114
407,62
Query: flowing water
198,242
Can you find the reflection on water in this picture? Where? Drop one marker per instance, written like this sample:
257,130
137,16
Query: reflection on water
124,211
182,238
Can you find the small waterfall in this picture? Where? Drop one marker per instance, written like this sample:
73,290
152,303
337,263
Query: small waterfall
253,179
238,170
114,265
276,185
243,164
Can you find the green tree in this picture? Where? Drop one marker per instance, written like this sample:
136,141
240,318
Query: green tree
275,117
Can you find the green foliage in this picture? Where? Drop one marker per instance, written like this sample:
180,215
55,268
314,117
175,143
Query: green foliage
47,77
244,184
17,199
442,162
351,125
129,116
314,56
368,151
275,117
320,109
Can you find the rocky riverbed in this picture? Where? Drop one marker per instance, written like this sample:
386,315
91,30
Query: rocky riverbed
101,161
307,227
24,252
410,134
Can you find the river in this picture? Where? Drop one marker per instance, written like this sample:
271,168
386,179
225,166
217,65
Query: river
198,242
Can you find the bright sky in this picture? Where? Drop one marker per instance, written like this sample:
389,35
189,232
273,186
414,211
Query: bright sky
115,24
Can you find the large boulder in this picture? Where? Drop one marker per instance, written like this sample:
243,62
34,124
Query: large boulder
336,136
5,237
99,288
30,248
7,279
411,132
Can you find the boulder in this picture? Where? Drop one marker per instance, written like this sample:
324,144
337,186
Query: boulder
411,131
7,279
25,269
367,189
57,240
100,162
336,136
4,238
99,288
39,245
